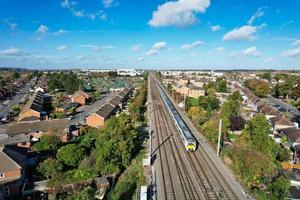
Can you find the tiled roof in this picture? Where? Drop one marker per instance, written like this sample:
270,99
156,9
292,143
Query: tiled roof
279,120
117,100
7,164
25,127
292,133
105,111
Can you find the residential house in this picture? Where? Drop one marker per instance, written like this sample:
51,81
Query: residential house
36,108
293,136
10,177
279,122
98,118
80,97
269,112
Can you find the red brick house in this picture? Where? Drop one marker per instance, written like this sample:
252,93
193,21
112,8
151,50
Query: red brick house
98,118
80,97
10,177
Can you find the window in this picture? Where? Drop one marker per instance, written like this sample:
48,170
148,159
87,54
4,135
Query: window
2,175
6,191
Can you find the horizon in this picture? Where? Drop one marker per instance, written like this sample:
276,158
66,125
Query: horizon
156,35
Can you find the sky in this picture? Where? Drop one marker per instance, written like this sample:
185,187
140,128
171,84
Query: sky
150,34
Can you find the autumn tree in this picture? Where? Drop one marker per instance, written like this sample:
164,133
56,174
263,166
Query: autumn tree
197,114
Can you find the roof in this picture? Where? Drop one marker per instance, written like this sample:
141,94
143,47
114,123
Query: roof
35,102
7,164
25,127
122,94
105,111
280,120
269,111
117,100
81,93
292,133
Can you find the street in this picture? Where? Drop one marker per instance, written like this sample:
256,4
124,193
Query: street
20,96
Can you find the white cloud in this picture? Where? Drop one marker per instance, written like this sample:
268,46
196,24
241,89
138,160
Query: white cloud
12,52
268,60
109,3
159,45
62,48
291,52
136,47
60,32
71,6
178,13
220,49
215,28
141,59
249,52
42,29
246,32
193,54
96,47
259,13
151,52
191,46
296,43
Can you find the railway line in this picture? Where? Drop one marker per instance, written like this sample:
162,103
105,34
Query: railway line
183,174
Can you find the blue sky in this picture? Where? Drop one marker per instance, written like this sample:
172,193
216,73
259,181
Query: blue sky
150,34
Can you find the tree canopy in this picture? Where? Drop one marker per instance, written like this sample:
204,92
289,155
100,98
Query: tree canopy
71,154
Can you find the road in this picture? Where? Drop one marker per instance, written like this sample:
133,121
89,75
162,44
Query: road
89,109
19,97
284,105
186,175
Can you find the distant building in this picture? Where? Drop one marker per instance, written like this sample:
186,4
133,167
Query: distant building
129,72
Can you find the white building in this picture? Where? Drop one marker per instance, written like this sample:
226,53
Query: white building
129,72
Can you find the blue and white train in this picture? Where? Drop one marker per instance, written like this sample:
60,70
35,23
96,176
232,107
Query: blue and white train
189,141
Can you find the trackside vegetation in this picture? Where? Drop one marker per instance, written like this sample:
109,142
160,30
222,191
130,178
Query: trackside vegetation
253,155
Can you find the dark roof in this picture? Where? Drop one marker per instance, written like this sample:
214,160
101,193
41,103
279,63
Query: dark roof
35,102
122,94
117,100
105,111
25,127
292,133
280,120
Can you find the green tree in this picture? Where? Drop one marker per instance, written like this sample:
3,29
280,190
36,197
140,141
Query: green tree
279,188
262,89
50,168
87,193
236,95
229,109
115,145
256,136
71,154
222,86
47,143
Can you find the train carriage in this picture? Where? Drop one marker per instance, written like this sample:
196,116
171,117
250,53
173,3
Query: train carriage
189,141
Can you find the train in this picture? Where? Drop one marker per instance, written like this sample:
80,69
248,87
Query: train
189,141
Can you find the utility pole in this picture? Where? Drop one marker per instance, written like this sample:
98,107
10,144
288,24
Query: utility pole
219,139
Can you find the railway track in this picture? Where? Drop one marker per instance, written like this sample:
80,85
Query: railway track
186,175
